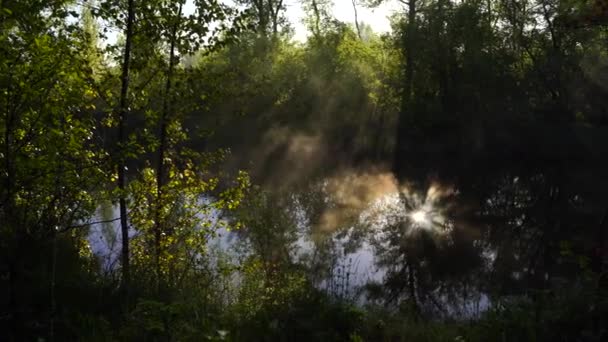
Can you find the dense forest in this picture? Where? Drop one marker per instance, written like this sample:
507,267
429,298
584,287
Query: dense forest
186,170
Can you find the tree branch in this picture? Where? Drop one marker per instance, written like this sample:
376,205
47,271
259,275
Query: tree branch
89,224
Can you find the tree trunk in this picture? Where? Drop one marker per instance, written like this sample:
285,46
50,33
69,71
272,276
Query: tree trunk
124,93
262,16
160,172
442,52
407,92
317,28
275,17
356,18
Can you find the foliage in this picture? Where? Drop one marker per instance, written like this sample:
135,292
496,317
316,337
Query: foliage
245,163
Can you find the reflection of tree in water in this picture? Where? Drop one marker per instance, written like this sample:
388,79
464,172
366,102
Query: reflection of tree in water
415,240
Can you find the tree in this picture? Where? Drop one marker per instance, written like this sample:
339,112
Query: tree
490,115
318,16
50,166
268,15
121,166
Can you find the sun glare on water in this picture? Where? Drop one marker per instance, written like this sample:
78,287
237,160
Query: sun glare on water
424,211
419,216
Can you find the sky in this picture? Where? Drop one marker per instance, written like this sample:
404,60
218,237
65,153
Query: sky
377,17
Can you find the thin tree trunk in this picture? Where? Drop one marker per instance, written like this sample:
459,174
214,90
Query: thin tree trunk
275,17
53,284
7,207
356,18
124,94
160,172
317,29
402,126
442,52
262,16
409,45
407,92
